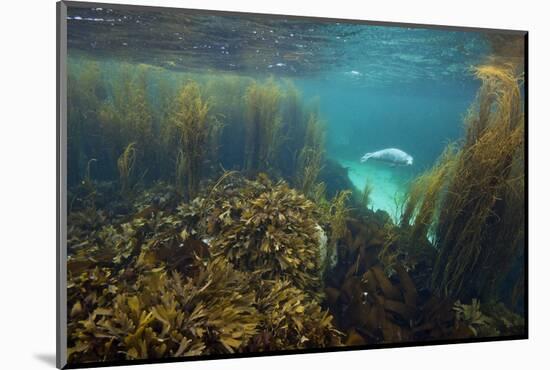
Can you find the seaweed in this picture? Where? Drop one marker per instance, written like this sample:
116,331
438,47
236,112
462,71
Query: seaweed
310,159
291,320
85,94
226,94
338,213
470,203
168,316
150,288
258,228
281,255
294,119
127,117
480,226
262,126
423,199
197,132
125,164
366,194
471,315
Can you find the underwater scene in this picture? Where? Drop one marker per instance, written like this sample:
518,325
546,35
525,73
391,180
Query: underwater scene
243,184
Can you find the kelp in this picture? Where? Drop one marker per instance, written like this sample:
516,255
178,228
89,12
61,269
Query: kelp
125,164
471,315
470,204
85,94
149,285
269,228
292,320
262,126
480,227
199,264
490,320
310,159
127,116
267,123
337,215
197,132
226,95
180,173
294,119
373,302
422,204
366,194
168,316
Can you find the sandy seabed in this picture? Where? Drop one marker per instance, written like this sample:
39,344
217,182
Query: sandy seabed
388,184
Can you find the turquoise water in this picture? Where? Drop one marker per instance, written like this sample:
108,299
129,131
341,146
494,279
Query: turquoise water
420,119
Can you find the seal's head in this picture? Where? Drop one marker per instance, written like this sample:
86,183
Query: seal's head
409,161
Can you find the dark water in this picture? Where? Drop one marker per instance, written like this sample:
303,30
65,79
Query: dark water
161,199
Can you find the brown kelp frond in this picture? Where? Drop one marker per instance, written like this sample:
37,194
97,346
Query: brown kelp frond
263,124
315,132
337,216
226,96
292,320
125,165
471,315
167,316
270,229
319,197
498,101
339,212
422,205
128,117
180,173
476,210
150,287
390,251
294,120
377,291
310,159
366,194
490,320
309,166
197,132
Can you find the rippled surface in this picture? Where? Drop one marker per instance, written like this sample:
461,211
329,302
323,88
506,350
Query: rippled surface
180,39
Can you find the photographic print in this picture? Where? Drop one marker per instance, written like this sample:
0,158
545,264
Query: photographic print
244,184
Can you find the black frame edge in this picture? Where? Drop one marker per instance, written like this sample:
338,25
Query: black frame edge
526,182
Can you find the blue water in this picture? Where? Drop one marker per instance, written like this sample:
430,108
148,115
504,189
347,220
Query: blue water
420,118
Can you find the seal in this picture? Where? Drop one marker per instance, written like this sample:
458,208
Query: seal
393,156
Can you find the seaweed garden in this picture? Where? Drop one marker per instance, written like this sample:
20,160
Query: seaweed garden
220,200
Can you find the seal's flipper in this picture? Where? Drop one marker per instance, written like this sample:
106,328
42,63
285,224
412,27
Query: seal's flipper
366,157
